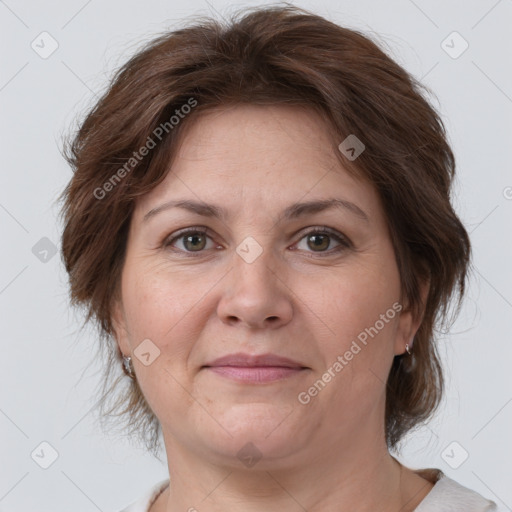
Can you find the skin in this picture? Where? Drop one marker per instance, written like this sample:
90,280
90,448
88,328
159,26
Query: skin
295,300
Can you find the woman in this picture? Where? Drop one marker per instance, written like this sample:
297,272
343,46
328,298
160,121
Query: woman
260,222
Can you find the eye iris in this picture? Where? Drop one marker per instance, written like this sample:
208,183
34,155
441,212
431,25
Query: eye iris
197,241
319,241
193,238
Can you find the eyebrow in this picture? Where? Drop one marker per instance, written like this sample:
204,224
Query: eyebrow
291,212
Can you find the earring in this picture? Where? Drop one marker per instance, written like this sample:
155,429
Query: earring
408,349
128,367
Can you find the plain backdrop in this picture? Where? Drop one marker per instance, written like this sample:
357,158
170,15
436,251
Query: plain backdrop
47,375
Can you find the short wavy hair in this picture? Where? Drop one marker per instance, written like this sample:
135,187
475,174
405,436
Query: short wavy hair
279,55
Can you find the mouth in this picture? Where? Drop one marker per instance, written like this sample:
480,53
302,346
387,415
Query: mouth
255,368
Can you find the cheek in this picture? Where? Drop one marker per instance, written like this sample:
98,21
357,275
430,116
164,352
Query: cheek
159,308
360,309
162,311
158,299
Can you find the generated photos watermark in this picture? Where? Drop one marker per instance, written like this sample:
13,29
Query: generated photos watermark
304,397
137,156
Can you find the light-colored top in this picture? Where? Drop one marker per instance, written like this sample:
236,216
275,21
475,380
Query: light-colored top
446,496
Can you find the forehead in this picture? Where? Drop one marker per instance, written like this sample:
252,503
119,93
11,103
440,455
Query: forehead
271,155
258,135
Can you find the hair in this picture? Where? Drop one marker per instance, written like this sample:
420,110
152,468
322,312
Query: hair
279,55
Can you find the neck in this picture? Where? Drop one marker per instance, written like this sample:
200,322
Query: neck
329,481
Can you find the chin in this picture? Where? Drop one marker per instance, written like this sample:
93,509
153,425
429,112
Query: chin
262,436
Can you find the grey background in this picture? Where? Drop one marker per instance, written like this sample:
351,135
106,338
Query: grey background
47,372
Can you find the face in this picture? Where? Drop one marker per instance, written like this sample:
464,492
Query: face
257,274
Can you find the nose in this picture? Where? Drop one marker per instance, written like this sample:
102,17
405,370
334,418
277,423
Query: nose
255,295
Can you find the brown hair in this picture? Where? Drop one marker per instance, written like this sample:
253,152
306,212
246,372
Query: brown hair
276,55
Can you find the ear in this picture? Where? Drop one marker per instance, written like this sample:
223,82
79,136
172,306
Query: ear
409,322
120,328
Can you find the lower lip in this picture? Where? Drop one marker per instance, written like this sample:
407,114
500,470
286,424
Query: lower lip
255,374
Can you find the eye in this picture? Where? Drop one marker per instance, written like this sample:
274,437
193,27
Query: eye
319,240
193,240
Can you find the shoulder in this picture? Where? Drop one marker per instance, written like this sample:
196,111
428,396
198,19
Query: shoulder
447,495
147,499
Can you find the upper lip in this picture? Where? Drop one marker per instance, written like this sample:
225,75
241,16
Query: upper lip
248,360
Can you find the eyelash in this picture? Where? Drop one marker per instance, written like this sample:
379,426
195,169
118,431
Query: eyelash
201,230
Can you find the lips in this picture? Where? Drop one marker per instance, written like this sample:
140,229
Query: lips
247,360
255,369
